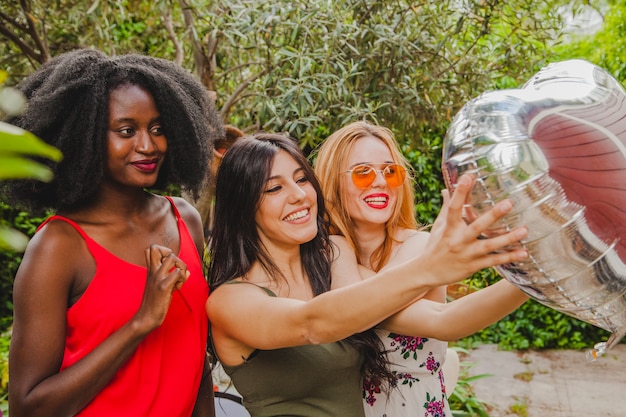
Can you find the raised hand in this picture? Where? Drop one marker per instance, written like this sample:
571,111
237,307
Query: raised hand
166,274
456,246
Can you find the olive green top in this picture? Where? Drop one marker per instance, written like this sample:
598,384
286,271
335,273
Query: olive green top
305,381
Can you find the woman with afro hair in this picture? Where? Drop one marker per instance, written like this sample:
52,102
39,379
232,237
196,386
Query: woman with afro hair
109,299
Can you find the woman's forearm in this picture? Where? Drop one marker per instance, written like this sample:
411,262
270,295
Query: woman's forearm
459,318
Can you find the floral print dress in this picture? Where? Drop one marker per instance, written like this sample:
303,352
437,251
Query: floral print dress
419,389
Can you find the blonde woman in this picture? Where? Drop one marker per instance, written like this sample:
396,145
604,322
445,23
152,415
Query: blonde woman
369,196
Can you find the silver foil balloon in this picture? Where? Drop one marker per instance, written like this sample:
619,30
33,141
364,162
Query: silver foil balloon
557,148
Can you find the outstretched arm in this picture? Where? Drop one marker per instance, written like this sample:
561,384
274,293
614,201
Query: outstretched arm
454,252
434,318
459,318
430,315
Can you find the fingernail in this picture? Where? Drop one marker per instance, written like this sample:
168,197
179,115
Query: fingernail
522,232
506,205
521,255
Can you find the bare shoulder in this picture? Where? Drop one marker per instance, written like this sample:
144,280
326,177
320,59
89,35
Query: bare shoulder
342,251
187,211
191,217
237,332
411,243
46,269
237,288
345,269
340,246
53,242
412,235
338,239
247,296
413,238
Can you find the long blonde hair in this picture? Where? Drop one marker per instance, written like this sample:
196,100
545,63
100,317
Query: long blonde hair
331,161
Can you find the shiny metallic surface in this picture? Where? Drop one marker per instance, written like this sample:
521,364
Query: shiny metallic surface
557,148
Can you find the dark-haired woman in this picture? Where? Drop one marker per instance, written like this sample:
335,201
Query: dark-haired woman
109,315
276,328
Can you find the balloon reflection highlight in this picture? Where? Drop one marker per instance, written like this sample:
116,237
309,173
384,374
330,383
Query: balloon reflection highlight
557,148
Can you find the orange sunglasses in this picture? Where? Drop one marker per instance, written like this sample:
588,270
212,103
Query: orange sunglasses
364,175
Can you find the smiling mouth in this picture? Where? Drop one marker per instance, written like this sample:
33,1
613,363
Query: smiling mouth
146,166
376,201
297,215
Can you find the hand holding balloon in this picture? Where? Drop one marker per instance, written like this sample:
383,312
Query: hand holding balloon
460,246
557,148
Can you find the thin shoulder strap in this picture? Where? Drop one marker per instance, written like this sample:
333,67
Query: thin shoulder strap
65,219
267,290
176,213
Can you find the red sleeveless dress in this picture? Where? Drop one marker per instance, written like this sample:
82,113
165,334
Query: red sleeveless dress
162,377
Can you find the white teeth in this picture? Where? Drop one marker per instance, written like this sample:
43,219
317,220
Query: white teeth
376,200
297,215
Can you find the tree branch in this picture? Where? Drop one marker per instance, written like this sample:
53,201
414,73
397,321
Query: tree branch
32,31
238,67
240,88
200,59
12,22
25,48
169,26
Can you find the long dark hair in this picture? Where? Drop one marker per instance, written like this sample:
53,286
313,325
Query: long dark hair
68,108
234,245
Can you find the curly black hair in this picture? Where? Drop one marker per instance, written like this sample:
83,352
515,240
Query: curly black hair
68,108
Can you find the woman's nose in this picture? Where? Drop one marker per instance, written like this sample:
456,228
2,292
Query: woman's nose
145,142
379,180
296,192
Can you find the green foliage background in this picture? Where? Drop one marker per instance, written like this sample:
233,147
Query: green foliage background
17,146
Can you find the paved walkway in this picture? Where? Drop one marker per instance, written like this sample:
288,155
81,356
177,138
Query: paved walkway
554,383
550,383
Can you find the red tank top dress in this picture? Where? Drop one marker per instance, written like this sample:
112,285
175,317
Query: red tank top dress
162,377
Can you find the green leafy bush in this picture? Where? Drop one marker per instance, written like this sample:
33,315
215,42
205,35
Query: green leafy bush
10,259
463,401
532,326
535,326
17,147
5,338
424,153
